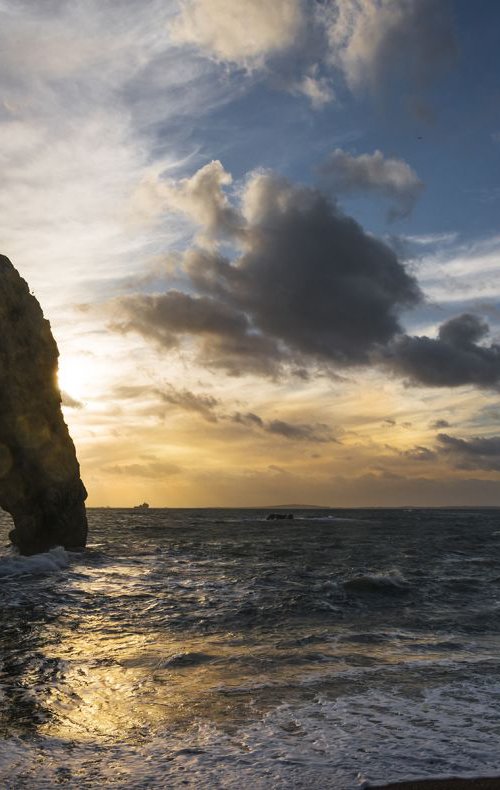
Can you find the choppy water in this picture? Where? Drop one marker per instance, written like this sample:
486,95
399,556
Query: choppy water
213,649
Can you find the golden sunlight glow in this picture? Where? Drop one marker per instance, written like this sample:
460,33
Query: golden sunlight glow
77,376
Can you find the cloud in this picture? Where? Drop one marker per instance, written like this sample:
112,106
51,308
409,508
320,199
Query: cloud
318,90
202,198
318,432
130,391
375,42
153,469
438,424
250,419
165,317
303,46
283,41
419,453
373,173
304,288
223,333
301,432
466,272
431,239
69,402
204,405
244,32
307,286
453,359
476,453
213,410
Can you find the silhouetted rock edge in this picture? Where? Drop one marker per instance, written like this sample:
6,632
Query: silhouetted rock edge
40,483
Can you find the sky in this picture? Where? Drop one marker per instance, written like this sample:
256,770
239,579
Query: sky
266,237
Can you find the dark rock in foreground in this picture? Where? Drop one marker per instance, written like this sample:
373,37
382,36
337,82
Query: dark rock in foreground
479,783
40,483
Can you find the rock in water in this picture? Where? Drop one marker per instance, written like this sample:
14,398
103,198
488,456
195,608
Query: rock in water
40,483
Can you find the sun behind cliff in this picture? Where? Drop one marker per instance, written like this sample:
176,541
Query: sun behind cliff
40,483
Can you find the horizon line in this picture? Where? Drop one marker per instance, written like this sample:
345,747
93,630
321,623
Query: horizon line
295,507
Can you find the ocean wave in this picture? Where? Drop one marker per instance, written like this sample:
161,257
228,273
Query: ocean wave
353,741
392,583
369,675
335,519
181,660
52,561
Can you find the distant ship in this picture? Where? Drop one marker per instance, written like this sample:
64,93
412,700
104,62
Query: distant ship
144,506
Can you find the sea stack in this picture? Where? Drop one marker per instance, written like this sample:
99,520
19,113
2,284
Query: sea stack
40,483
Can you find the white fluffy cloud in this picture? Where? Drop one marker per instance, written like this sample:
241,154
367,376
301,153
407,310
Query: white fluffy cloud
245,32
303,45
201,198
318,90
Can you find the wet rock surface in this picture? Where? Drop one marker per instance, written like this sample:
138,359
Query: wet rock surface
40,483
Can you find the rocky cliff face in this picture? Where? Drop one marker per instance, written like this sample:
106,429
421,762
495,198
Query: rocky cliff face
40,483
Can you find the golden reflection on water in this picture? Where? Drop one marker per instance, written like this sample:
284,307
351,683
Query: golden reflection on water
114,682
114,685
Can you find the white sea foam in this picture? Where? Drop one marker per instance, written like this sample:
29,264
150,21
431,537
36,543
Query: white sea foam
51,561
338,743
378,582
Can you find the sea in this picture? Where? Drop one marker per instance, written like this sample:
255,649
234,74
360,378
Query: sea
218,649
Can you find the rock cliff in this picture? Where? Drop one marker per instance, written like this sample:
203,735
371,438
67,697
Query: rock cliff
40,483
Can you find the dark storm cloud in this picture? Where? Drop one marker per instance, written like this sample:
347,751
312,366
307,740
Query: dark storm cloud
164,317
453,359
313,279
476,453
310,287
226,337
249,352
307,288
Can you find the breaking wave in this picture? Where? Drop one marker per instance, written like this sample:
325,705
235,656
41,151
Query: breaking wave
52,561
